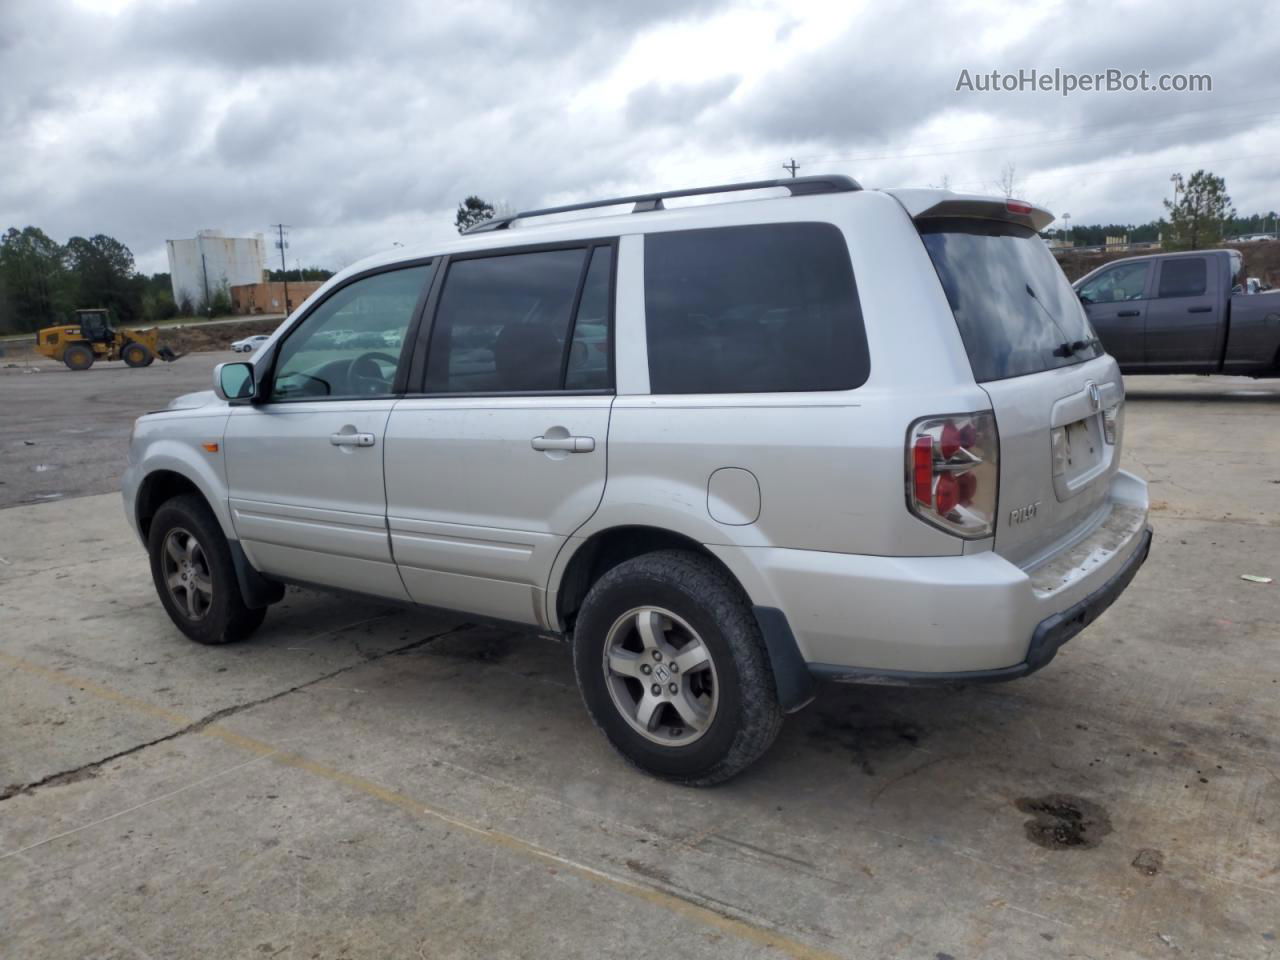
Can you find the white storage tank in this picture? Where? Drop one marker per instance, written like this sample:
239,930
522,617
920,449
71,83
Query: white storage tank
209,262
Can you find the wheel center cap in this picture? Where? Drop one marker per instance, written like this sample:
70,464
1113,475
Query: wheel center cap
661,672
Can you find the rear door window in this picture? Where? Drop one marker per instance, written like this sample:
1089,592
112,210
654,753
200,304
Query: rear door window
1016,311
503,323
1183,277
588,363
752,309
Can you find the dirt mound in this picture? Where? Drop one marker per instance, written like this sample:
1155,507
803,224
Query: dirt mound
213,336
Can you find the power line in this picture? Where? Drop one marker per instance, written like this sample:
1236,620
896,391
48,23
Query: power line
1036,145
1150,166
792,166
1146,119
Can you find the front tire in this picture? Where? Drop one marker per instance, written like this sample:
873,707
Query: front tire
717,711
194,575
136,355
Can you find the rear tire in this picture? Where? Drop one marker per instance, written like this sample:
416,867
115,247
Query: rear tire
194,575
78,357
703,722
136,355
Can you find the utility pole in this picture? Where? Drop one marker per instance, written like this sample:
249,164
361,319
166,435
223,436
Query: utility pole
283,244
792,166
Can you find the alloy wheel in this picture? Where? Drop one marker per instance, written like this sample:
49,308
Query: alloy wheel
660,676
186,573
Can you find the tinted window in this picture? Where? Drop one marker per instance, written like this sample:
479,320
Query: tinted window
502,322
1125,282
1016,312
350,345
1182,277
588,367
769,307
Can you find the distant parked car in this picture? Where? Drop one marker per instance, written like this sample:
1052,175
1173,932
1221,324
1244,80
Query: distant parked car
249,344
1256,238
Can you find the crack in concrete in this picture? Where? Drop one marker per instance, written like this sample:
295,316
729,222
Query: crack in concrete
90,769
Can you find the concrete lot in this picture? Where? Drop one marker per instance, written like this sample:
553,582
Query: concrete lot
65,433
359,781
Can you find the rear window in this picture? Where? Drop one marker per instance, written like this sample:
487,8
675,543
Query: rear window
1016,312
1183,277
752,309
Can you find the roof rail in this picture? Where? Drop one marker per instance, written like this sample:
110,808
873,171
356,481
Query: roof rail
644,202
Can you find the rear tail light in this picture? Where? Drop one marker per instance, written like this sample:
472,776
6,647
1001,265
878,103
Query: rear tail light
1112,421
953,472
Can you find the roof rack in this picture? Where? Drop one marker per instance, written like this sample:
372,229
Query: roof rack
645,202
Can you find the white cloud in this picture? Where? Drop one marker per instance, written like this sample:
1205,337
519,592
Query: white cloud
147,120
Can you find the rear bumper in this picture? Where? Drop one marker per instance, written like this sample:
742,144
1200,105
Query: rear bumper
1047,638
969,617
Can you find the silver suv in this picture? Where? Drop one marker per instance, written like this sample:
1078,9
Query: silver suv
723,449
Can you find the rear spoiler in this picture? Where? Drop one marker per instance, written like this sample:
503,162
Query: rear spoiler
932,204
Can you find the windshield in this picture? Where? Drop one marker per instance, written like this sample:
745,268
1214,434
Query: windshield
1016,311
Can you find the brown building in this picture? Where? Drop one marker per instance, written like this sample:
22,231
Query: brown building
268,296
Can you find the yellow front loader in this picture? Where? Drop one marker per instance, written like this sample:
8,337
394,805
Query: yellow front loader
91,337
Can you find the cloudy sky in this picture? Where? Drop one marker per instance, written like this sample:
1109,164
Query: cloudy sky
362,124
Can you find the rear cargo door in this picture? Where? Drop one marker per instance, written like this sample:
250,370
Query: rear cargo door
1033,351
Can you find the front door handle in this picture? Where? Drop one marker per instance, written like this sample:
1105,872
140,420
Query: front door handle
569,444
351,439
1128,313
1198,309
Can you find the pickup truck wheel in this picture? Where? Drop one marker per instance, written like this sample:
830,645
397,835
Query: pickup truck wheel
194,574
673,669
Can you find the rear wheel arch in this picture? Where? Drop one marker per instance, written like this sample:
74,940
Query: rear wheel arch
605,549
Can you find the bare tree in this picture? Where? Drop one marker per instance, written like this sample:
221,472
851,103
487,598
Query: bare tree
1008,183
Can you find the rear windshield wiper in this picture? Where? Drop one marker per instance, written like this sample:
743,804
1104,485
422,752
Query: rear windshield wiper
1072,347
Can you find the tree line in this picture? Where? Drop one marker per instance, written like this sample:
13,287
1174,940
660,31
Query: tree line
42,281
1200,216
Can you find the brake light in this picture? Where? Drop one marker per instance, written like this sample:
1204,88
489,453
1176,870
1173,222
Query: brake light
922,469
1017,206
953,472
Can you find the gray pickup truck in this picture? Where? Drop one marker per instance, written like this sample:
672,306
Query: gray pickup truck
1183,313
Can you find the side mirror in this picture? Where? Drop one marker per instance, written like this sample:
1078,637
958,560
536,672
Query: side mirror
233,382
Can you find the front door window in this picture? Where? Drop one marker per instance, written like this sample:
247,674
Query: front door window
352,345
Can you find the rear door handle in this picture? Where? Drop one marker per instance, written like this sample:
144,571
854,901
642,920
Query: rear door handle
351,439
1199,309
571,444
1128,313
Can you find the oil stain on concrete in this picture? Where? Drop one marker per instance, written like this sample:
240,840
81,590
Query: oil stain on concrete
1060,821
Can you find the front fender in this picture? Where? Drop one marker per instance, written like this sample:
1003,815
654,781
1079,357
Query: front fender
176,445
